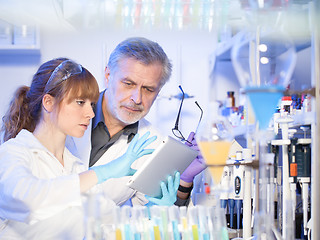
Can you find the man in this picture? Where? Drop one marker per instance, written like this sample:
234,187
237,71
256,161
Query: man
137,70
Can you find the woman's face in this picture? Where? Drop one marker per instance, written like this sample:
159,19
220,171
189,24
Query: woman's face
74,117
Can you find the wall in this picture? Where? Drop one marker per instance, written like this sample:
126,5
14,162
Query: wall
189,52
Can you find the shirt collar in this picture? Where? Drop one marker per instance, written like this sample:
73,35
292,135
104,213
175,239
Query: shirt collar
98,112
130,130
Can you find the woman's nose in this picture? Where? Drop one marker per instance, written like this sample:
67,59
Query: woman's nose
90,113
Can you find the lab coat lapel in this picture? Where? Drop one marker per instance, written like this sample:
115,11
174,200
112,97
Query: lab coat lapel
115,151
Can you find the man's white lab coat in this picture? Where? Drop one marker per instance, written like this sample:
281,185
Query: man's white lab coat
116,188
39,198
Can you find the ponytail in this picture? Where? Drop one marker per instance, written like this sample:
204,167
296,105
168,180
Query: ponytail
25,109
17,116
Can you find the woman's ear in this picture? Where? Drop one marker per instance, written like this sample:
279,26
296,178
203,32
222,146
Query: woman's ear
48,103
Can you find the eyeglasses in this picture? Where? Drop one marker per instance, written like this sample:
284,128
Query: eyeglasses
176,132
62,72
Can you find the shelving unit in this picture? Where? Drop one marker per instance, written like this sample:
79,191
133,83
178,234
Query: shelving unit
223,52
30,47
223,56
20,50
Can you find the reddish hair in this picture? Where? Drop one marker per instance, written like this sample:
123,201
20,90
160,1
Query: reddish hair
25,108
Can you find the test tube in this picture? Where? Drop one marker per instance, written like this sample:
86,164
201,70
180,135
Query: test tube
193,222
203,222
156,218
147,224
117,222
184,222
137,221
93,220
219,225
126,221
173,215
164,222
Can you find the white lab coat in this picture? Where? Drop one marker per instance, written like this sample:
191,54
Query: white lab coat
39,198
116,188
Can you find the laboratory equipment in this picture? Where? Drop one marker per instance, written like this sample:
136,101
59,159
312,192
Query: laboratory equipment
286,192
238,181
214,140
174,220
264,60
93,220
225,183
247,209
300,154
219,229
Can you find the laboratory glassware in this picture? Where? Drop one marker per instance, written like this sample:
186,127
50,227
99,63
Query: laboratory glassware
264,60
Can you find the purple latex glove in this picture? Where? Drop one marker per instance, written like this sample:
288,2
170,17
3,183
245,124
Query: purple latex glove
197,165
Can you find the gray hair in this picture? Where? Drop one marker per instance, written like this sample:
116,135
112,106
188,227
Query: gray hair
143,50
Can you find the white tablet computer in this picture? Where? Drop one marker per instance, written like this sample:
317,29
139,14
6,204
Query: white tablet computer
170,156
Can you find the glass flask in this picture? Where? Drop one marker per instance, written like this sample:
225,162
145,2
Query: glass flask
264,60
214,138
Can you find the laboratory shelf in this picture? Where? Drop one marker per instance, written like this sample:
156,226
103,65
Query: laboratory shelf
306,118
223,51
19,40
20,49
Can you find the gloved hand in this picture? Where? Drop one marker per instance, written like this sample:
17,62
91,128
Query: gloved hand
197,165
169,195
122,166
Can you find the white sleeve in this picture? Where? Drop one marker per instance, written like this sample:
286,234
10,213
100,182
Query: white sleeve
26,198
139,199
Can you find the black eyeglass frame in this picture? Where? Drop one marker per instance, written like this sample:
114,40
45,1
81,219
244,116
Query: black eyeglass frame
176,132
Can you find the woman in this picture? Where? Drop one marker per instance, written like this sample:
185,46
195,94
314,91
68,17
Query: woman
41,182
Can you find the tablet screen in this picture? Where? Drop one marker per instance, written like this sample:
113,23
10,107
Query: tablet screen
170,156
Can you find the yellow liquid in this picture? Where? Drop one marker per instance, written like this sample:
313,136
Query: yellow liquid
195,232
118,234
215,152
157,235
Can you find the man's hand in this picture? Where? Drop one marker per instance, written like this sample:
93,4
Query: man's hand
169,195
197,165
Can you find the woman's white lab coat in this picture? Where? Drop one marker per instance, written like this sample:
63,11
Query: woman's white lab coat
115,188
39,198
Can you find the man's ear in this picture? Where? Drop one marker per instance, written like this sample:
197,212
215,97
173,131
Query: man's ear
106,76
48,102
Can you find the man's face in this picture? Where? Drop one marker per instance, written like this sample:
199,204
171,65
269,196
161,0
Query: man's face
131,90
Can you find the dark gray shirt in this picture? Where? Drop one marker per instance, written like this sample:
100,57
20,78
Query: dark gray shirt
100,136
101,141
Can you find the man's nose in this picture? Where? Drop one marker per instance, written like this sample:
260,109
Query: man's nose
136,96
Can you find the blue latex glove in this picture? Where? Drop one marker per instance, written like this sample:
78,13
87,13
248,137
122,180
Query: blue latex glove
169,195
121,166
197,165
